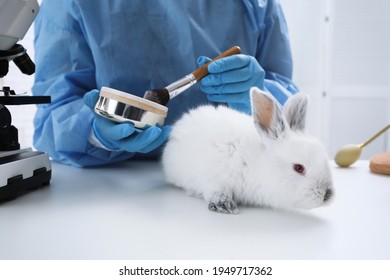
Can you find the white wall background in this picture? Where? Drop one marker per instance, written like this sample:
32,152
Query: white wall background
341,51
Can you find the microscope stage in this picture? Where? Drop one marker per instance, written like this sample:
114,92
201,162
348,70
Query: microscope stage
22,171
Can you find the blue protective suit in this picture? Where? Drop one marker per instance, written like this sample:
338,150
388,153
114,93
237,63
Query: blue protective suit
138,45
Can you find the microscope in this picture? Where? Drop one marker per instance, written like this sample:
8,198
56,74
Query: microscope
21,170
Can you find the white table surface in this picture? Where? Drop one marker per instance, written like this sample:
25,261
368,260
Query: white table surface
127,211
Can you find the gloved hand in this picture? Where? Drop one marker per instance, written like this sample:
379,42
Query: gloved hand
230,80
124,136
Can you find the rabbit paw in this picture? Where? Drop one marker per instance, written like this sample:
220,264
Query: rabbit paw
222,203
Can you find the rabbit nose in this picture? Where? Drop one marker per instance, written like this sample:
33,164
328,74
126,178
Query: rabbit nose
328,194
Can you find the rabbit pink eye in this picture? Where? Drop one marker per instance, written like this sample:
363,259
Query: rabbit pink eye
299,168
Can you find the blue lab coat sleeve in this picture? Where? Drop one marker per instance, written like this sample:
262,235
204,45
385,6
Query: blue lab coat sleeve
274,52
65,72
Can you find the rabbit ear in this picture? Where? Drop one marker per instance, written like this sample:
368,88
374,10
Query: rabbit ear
267,115
295,111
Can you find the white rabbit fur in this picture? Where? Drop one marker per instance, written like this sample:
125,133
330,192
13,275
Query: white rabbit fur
229,158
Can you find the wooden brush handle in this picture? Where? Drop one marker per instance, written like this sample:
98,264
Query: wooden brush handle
201,72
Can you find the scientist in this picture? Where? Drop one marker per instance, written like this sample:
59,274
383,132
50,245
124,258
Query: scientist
137,45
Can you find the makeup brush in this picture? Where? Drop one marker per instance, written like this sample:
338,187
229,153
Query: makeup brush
163,95
349,154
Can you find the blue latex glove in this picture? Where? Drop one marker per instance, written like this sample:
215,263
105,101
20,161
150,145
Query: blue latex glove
124,136
230,80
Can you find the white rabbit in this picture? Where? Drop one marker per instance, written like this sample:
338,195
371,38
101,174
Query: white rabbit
229,158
